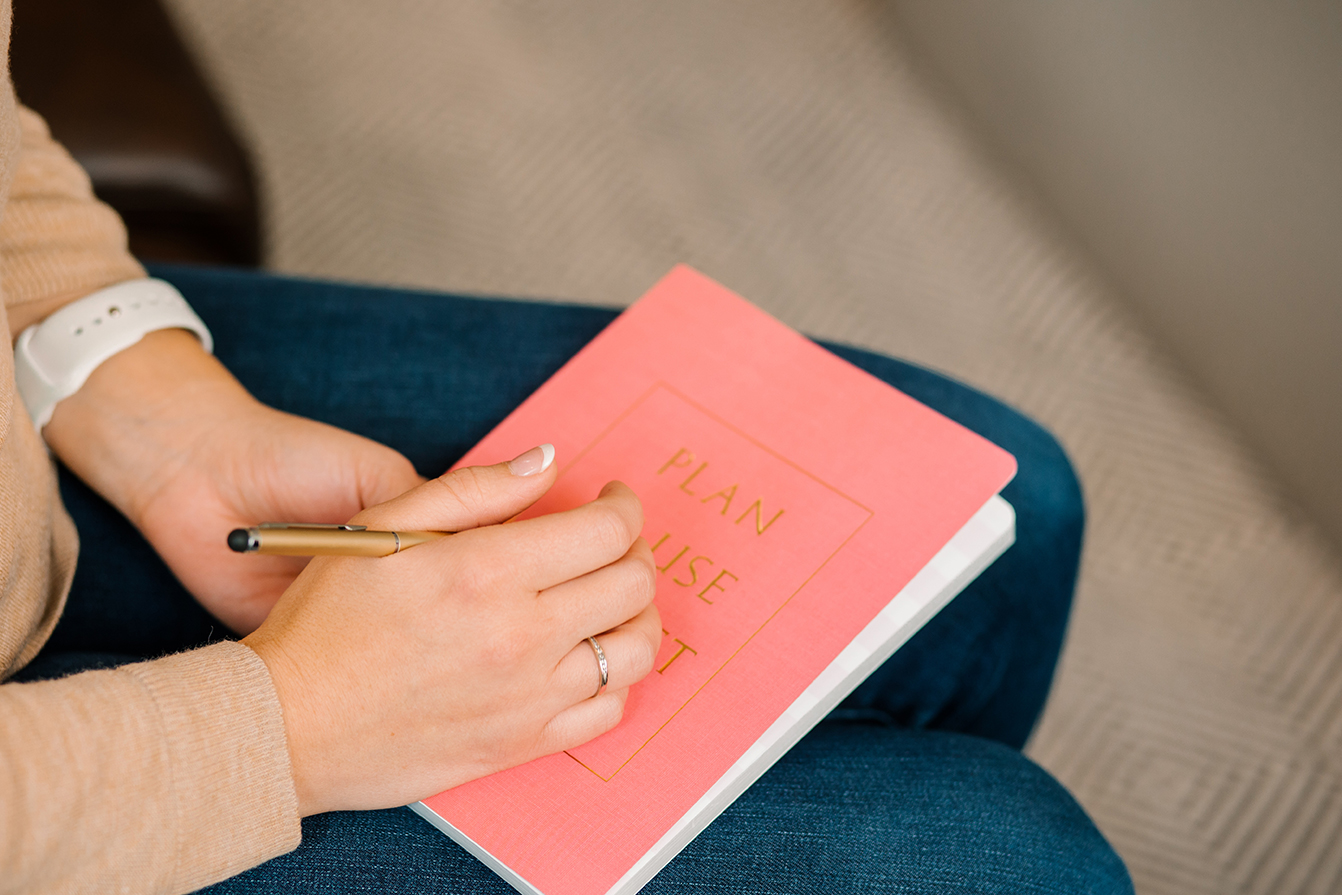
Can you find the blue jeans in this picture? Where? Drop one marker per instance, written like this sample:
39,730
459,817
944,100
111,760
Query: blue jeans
914,785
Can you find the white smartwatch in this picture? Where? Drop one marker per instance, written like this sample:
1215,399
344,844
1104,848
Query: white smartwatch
52,359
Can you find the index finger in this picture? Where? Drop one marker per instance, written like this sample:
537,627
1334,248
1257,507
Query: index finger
559,547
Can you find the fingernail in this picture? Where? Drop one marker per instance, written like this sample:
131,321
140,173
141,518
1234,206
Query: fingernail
538,459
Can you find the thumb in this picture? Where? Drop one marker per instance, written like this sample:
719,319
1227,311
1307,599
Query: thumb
469,497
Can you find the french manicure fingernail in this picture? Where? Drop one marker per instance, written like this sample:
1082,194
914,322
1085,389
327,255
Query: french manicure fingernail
538,459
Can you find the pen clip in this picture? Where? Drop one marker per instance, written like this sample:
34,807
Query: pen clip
317,525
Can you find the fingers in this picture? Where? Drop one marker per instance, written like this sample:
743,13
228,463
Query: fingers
630,651
558,547
601,600
470,497
587,720
538,553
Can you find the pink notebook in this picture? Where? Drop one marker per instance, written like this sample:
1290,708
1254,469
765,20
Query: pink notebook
806,519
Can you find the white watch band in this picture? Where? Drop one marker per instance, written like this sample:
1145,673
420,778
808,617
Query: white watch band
52,359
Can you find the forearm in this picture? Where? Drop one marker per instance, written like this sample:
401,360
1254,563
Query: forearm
57,241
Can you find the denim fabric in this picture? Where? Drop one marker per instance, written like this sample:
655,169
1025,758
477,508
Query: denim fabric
886,796
853,808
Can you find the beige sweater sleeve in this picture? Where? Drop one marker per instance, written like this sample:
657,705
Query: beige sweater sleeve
57,242
157,777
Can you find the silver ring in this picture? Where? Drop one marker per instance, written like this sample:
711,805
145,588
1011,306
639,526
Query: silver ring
600,660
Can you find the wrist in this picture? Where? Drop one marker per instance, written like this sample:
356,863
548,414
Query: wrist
30,313
53,359
141,414
304,753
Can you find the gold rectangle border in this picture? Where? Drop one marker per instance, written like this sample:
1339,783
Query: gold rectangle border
717,419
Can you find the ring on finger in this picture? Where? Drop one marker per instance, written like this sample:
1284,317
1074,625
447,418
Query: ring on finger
604,665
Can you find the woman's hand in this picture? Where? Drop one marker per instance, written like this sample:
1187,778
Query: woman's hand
398,677
170,438
403,676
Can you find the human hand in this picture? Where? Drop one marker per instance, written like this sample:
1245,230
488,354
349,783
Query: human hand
170,438
406,675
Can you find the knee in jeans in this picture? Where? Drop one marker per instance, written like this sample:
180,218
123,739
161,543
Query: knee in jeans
1043,840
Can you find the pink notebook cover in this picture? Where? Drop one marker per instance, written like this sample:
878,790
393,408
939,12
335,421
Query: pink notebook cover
788,496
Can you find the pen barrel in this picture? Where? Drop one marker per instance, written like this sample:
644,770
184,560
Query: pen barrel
315,542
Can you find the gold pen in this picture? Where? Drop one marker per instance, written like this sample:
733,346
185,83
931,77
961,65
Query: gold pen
311,539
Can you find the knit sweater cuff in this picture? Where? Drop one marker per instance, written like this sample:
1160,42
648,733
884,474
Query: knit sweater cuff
162,776
235,800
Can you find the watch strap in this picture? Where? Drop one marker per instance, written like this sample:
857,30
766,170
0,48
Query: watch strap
52,359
